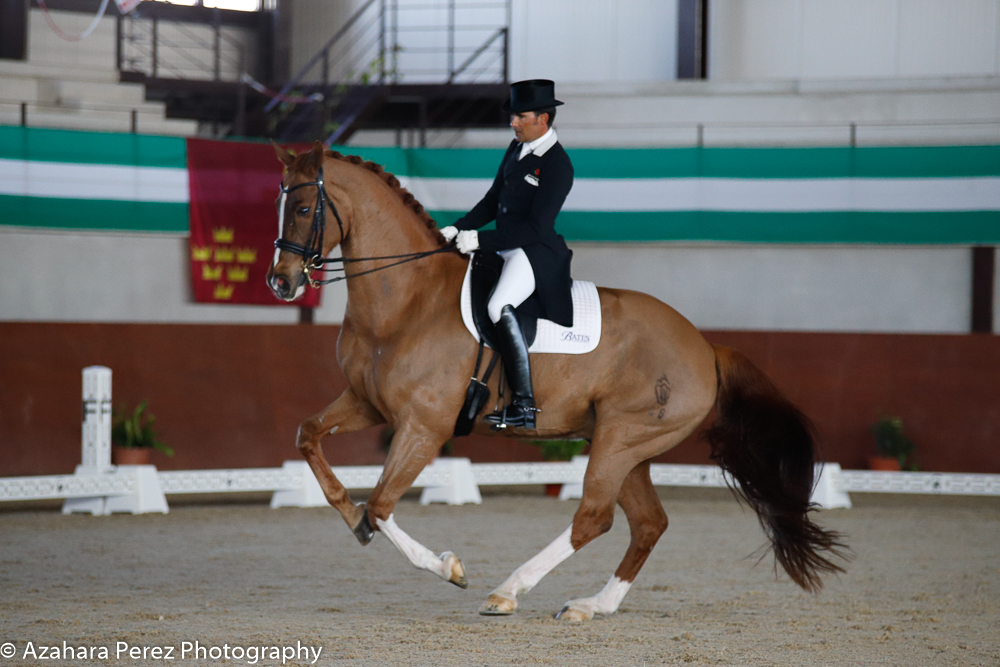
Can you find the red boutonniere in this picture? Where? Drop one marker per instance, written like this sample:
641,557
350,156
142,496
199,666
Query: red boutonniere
537,172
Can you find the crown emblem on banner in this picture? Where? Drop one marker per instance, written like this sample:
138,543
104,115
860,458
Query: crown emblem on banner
237,274
223,292
246,255
201,253
223,234
208,273
224,254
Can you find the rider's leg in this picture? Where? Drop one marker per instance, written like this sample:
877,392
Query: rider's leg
516,283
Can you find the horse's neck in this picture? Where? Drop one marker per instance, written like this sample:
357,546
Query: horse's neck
391,299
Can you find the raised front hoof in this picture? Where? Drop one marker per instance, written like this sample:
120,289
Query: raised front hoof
574,614
498,605
455,569
363,530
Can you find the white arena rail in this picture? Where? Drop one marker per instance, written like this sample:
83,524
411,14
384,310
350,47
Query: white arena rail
97,487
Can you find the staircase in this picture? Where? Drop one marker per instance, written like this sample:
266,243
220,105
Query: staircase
402,64
76,85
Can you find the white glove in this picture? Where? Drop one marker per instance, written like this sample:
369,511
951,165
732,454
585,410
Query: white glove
449,232
467,241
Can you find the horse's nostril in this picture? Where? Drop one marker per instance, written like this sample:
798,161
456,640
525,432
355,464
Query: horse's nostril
280,284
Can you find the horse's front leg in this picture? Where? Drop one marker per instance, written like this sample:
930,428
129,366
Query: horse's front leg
412,449
348,413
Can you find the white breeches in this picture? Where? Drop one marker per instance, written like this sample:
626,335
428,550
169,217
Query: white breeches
516,283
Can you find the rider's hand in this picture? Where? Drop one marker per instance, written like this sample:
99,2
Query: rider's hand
449,232
468,241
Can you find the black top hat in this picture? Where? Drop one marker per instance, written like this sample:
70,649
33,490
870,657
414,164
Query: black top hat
531,95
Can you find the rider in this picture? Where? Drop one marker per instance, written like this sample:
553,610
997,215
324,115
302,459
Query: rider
530,187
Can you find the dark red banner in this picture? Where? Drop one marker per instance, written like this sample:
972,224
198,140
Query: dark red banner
234,222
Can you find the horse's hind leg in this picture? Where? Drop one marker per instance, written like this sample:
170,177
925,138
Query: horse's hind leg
503,600
605,474
647,522
348,413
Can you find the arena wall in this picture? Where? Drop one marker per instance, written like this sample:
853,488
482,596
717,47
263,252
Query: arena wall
818,39
232,396
99,222
609,41
106,280
103,277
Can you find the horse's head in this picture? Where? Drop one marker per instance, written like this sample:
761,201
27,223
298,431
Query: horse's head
310,222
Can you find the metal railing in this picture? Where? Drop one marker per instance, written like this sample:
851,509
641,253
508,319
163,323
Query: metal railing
384,42
170,49
84,116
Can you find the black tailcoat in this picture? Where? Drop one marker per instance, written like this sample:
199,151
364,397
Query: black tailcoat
526,217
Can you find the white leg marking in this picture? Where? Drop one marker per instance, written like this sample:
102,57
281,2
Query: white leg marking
605,602
528,575
421,557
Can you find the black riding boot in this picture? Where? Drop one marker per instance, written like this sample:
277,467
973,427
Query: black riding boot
514,352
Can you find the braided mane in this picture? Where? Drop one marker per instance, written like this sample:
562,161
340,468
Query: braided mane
389,179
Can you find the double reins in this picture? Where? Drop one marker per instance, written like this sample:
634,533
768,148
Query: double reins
312,251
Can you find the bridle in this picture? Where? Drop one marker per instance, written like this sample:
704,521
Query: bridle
312,251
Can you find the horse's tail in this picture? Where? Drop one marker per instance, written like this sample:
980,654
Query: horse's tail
766,444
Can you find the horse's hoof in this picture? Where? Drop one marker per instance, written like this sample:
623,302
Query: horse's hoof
498,605
574,615
364,531
455,569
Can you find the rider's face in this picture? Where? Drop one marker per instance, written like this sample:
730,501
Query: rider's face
529,126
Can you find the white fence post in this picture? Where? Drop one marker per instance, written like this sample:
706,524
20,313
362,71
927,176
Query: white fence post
134,489
827,493
457,486
305,492
96,455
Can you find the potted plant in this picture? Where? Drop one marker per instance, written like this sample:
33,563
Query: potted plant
893,446
558,450
133,437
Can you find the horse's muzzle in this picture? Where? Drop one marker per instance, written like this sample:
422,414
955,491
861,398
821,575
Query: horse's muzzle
284,288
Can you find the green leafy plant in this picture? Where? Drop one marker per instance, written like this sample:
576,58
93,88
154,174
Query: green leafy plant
892,442
135,429
560,450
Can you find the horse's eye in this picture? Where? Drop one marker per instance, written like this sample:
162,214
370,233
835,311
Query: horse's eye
302,210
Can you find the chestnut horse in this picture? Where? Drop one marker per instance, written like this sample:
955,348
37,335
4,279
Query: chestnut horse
649,384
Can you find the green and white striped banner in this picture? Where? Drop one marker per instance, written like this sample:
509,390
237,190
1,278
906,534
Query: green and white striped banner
93,180
778,195
913,195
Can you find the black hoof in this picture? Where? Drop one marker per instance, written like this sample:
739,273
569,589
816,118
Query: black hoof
364,531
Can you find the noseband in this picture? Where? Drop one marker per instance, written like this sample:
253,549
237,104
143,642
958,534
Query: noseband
312,251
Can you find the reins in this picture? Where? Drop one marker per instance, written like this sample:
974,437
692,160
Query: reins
312,251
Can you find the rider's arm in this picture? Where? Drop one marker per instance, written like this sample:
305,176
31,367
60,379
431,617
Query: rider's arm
486,210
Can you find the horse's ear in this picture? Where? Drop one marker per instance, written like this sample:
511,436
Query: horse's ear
287,157
316,155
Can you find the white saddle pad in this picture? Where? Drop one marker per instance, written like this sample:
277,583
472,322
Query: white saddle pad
551,338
